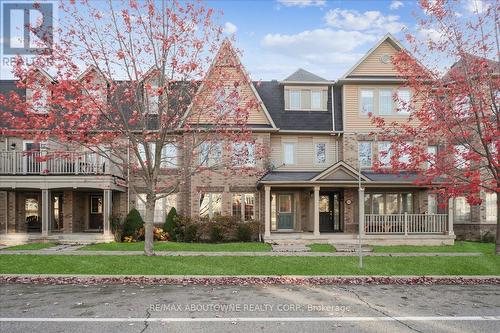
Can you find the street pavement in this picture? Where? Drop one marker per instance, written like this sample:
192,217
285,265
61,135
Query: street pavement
249,308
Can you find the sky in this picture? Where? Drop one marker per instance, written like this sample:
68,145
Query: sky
325,37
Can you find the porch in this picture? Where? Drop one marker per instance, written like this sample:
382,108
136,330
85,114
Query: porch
339,205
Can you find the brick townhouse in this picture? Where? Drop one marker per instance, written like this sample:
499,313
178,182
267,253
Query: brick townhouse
318,185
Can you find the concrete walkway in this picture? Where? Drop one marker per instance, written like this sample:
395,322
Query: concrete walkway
74,251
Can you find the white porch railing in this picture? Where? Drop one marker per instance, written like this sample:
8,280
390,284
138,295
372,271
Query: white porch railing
405,224
61,162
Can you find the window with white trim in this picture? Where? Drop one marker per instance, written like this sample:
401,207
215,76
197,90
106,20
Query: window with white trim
460,156
388,203
243,206
461,210
403,101
320,153
316,97
432,154
295,99
491,207
365,153
153,98
145,157
385,102
404,156
244,154
162,206
169,156
367,101
288,153
384,153
39,98
432,204
210,153
210,204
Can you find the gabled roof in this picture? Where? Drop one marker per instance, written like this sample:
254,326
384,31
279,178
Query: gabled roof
340,171
303,76
458,67
389,38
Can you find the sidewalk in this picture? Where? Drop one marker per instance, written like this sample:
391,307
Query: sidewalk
74,251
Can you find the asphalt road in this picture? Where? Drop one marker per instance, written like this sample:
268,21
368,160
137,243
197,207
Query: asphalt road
272,308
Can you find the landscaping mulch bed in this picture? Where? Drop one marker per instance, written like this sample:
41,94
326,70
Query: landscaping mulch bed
251,280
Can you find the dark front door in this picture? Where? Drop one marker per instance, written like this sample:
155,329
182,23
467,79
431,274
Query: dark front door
330,212
95,216
285,212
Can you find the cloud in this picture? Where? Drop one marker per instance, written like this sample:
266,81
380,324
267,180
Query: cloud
230,28
302,3
477,6
373,21
395,4
430,34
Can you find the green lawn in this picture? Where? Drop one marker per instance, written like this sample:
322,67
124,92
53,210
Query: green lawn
31,246
174,246
459,246
321,247
234,265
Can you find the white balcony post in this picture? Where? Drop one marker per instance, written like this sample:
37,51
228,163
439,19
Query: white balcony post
316,211
406,224
45,212
267,211
361,210
107,211
451,209
14,155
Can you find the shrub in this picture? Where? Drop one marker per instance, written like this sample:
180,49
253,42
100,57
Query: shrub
216,232
133,222
117,227
158,234
243,232
171,222
191,233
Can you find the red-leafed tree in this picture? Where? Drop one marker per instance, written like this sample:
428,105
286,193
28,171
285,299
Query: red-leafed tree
159,78
455,111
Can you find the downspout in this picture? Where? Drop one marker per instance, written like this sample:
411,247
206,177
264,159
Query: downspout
128,177
333,110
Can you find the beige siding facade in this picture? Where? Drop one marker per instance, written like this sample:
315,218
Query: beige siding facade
375,64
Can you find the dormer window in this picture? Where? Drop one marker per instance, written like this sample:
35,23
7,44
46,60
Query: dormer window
295,99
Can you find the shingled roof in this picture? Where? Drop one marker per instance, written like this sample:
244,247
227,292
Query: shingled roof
301,75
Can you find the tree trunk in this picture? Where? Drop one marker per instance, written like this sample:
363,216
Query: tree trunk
148,225
497,248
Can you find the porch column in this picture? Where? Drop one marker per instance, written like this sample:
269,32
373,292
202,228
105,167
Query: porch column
451,210
106,210
46,216
316,211
267,211
361,210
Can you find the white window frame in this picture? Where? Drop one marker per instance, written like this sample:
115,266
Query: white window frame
42,105
243,203
405,157
162,206
490,205
391,105
285,159
153,99
370,157
320,106
432,151
213,153
403,106
210,196
459,160
238,150
295,91
361,104
169,154
464,208
316,161
385,161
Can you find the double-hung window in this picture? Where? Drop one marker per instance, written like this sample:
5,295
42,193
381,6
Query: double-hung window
210,204
461,160
295,99
244,154
320,153
169,156
210,153
288,153
404,101
148,158
385,102
316,99
365,153
366,101
162,206
431,156
243,206
462,210
384,153
491,207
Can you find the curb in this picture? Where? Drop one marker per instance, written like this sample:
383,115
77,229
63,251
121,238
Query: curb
60,279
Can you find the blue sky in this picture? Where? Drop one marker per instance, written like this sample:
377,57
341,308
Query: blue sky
325,37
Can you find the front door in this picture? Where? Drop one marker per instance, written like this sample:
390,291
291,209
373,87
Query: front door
285,212
95,216
330,212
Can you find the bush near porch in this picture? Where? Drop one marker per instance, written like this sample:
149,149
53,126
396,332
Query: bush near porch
180,228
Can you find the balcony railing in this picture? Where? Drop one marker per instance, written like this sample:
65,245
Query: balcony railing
406,224
54,163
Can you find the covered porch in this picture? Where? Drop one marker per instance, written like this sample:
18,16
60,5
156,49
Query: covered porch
338,205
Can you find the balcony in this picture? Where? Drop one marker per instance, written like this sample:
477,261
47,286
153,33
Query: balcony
55,163
406,224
